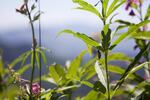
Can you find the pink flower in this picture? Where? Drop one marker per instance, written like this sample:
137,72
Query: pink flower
35,88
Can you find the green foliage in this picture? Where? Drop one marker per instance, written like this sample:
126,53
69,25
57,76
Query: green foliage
87,7
114,5
88,40
102,77
143,35
94,73
131,30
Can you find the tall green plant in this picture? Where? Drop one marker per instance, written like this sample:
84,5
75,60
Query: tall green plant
106,44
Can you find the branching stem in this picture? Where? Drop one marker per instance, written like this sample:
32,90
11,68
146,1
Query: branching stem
34,43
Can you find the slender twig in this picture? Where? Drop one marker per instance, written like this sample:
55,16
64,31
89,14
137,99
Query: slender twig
33,48
107,74
40,44
106,62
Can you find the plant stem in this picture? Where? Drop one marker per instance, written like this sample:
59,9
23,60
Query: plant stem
131,66
33,48
147,72
107,74
40,70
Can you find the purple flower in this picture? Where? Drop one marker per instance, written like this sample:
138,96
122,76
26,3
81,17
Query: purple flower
132,13
36,88
128,5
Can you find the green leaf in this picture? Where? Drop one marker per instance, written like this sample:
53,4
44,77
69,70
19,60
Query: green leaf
99,87
89,48
147,15
37,59
66,88
136,69
43,55
57,73
120,27
114,6
92,95
87,7
33,7
46,95
23,69
143,35
86,66
106,28
48,79
101,74
112,17
105,4
132,29
85,38
119,57
87,84
88,73
131,66
36,16
120,71
28,53
74,66
123,22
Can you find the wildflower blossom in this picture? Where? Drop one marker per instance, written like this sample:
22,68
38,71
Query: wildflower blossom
133,4
35,88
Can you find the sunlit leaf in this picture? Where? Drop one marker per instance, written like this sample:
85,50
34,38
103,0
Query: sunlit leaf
87,84
68,87
92,95
101,74
105,4
75,64
87,7
86,66
57,73
48,79
88,73
144,35
132,29
114,5
88,40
